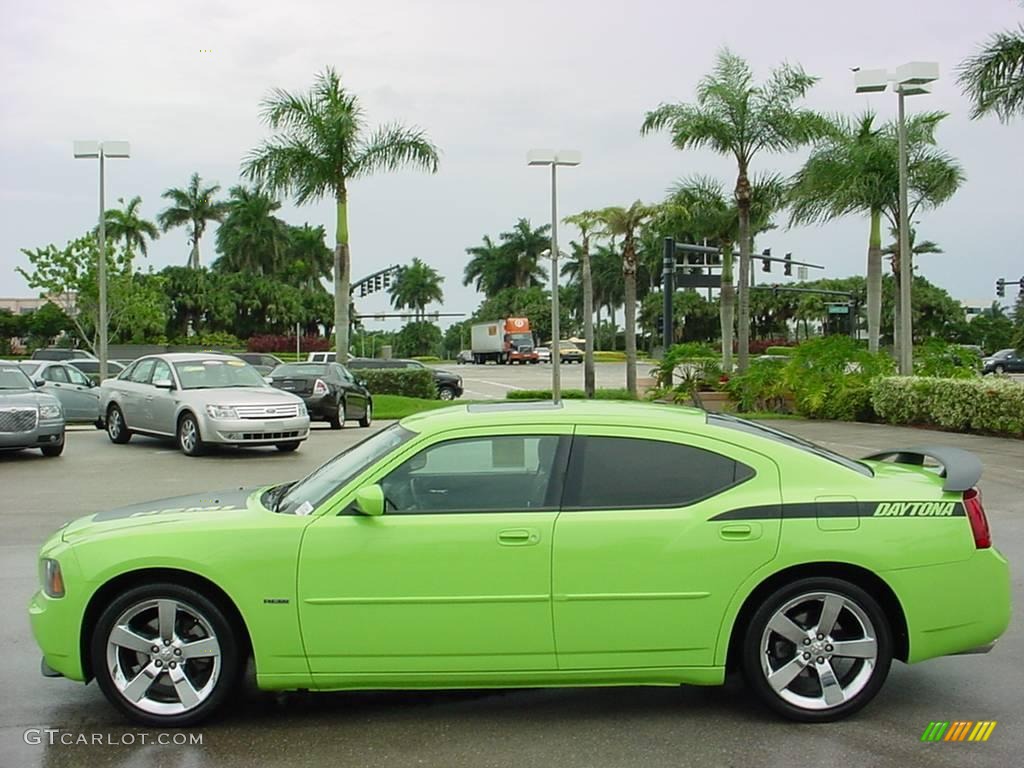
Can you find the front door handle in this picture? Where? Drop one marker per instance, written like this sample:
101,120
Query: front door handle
519,537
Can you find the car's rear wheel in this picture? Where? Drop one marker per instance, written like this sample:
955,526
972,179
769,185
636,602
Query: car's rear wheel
189,439
165,655
817,650
54,450
367,419
338,420
117,430
1000,369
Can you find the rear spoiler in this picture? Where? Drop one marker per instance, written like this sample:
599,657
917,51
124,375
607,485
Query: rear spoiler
961,469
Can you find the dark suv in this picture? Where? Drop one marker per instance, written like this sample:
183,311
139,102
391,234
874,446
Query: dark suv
1003,361
449,385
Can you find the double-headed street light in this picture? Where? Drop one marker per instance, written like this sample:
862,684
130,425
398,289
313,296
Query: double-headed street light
102,150
908,80
554,159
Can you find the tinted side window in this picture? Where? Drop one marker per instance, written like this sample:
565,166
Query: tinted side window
626,472
142,371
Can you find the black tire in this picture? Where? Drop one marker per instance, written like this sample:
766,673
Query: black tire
858,678
446,393
54,450
189,604
288,447
337,421
117,429
1000,369
367,419
189,440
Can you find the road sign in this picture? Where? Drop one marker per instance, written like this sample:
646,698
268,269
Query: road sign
839,309
698,281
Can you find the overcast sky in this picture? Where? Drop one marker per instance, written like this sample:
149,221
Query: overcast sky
487,81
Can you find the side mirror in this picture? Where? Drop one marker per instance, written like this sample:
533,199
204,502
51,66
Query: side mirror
269,381
361,382
39,382
163,384
370,500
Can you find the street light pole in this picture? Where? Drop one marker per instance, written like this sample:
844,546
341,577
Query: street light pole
554,159
906,361
101,150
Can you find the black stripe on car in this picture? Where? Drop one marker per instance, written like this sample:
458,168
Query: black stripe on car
812,509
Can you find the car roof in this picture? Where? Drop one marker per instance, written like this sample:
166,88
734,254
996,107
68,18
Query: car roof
184,357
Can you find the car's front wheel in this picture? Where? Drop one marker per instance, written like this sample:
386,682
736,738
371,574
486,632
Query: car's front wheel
817,650
117,430
165,655
189,439
446,393
1000,369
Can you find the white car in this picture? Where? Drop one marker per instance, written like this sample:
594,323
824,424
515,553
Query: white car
201,400
543,354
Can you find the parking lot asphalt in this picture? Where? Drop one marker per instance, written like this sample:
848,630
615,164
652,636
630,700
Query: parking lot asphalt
634,726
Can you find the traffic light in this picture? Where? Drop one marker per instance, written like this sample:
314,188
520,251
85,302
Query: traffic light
766,264
387,279
1021,283
787,267
376,282
1000,288
362,289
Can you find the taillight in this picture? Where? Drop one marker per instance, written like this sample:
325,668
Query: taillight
319,388
979,523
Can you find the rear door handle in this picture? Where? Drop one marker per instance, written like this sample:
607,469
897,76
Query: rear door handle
740,531
519,537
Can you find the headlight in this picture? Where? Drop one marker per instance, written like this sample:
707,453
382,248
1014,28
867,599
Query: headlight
221,412
49,412
53,580
302,410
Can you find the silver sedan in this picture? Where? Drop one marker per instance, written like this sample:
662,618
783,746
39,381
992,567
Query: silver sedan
78,395
201,400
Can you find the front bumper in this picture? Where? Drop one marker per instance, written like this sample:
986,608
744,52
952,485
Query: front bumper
46,433
254,431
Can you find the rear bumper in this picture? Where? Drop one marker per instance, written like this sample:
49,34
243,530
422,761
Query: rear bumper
320,407
954,608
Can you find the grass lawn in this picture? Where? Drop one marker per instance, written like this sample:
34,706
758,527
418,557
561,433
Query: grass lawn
399,406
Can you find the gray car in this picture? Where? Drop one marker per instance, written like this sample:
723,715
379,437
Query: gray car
201,400
28,418
78,395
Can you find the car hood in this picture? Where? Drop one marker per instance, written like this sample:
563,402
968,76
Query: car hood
22,397
239,396
193,508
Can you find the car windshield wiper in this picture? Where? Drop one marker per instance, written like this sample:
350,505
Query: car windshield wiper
280,491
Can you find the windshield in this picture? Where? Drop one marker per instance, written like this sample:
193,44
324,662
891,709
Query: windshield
12,377
210,374
29,368
522,339
299,369
732,422
319,486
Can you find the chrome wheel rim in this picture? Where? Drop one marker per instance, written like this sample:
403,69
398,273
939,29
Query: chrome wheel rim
163,657
447,394
369,413
189,436
819,651
341,414
114,423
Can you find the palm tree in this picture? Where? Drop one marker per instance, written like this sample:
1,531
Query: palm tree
126,224
715,217
855,169
416,286
893,252
609,288
523,247
485,268
733,116
251,238
307,260
993,78
193,206
323,144
587,222
624,223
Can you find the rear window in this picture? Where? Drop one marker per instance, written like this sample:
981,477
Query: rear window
299,370
742,425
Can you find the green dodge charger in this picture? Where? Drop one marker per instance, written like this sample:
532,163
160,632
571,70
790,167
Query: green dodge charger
533,544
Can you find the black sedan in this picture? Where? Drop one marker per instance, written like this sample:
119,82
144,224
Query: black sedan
331,393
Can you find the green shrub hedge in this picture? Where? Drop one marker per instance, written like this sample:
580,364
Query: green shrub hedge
410,382
785,351
568,394
981,405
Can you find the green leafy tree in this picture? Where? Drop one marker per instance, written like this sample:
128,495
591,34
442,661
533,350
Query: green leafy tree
625,223
251,238
416,286
418,338
735,116
192,207
47,322
486,268
321,146
456,338
854,169
993,78
127,224
523,246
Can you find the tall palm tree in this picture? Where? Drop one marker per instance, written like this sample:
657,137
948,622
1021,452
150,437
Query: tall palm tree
715,217
734,116
588,223
523,247
323,144
854,169
486,267
194,206
417,286
609,288
893,252
251,238
993,78
307,258
126,224
624,223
